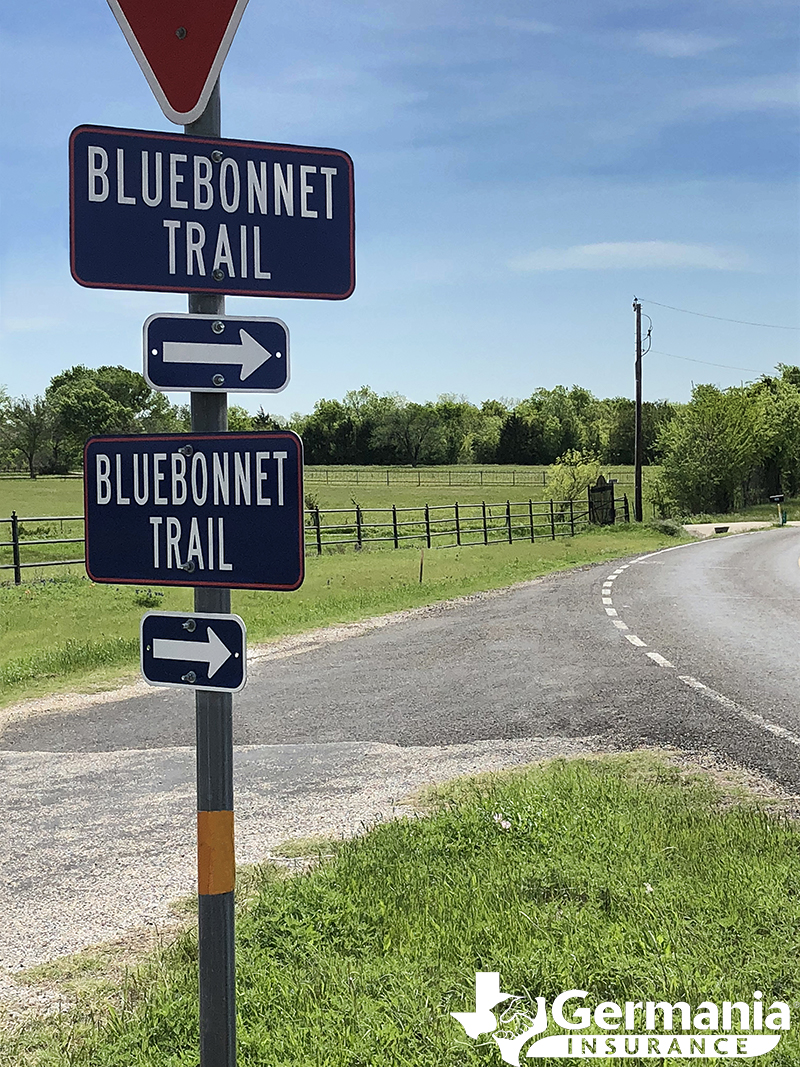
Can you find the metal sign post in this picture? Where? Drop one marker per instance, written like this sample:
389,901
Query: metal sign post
194,214
214,724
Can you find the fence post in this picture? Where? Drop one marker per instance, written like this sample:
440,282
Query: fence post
449,477
544,477
508,522
571,519
15,548
530,512
513,477
387,475
318,530
458,526
394,525
358,524
481,474
627,508
552,521
485,531
419,478
327,472
428,525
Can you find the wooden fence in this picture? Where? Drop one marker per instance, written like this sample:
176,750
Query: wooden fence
433,526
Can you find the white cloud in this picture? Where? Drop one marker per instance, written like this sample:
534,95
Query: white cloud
748,94
524,25
630,255
680,45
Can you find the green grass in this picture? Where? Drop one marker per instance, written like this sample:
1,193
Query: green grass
624,877
754,513
67,632
52,496
47,495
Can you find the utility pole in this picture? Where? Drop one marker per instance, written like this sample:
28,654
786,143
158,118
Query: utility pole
637,448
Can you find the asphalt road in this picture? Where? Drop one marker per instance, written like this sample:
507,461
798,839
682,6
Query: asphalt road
696,647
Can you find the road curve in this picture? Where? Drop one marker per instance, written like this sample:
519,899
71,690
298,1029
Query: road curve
696,647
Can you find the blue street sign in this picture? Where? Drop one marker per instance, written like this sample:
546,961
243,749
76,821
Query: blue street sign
187,651
195,509
201,353
182,214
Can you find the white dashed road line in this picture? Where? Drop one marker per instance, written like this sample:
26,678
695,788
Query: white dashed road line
693,683
751,716
659,659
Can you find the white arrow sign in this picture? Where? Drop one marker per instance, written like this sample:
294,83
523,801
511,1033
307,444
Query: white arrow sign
212,651
248,352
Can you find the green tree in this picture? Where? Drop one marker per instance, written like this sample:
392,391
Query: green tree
239,419
85,410
86,402
572,474
616,423
411,431
262,420
777,399
26,430
710,449
458,420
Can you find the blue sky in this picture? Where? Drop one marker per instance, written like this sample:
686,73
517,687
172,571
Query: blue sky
522,170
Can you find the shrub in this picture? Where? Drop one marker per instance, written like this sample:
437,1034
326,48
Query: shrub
666,526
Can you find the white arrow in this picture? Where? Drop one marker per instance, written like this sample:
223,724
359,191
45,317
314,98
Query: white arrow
248,352
212,651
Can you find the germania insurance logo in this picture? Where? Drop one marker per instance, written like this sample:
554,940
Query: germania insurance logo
643,1029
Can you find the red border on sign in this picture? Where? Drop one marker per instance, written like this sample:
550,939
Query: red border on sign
188,438
220,290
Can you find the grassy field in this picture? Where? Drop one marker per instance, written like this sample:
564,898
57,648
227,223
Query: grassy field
624,877
59,633
64,496
51,496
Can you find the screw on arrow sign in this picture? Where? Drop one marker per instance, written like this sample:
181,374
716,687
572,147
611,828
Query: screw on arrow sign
212,651
247,352
198,353
188,652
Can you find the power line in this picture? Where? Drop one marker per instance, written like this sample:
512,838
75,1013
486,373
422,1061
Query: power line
719,318
689,359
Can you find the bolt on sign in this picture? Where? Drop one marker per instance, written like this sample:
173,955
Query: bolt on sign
201,352
177,213
195,509
180,47
188,651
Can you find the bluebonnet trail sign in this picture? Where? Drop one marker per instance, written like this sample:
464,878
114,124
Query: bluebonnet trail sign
183,214
186,651
201,353
195,509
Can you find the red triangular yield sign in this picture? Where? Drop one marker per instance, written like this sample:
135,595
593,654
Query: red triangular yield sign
181,46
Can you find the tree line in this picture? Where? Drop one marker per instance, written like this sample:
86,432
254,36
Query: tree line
723,449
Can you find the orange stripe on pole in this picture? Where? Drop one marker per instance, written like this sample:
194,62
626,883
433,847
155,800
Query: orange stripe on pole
216,865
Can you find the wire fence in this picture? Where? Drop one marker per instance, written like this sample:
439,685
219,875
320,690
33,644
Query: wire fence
448,476
443,525
333,529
